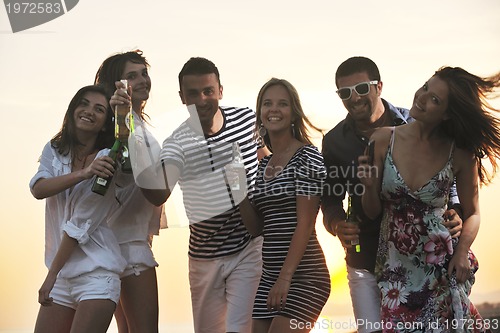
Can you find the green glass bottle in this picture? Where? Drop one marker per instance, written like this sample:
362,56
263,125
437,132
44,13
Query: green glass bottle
101,184
122,112
352,218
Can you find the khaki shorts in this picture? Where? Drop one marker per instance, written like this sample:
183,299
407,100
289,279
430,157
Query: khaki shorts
223,290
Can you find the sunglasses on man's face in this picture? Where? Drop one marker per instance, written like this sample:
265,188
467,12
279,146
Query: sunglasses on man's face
361,89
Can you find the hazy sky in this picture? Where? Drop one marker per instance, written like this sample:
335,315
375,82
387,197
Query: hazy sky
250,42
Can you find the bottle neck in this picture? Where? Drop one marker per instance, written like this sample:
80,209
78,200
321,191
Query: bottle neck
237,153
349,207
116,145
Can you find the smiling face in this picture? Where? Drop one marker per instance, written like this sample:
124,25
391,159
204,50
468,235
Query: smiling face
431,101
204,92
276,112
361,108
138,77
91,113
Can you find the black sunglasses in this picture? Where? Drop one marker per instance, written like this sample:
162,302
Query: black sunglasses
361,89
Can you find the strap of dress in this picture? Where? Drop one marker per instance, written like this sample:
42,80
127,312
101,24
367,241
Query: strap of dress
452,149
391,143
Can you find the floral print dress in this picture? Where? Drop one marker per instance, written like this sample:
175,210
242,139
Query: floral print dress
415,248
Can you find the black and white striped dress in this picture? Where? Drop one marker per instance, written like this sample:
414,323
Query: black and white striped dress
276,200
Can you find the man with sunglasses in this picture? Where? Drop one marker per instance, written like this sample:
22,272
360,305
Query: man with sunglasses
360,87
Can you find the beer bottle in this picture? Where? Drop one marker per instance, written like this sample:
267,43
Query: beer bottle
101,184
121,113
123,119
236,163
352,218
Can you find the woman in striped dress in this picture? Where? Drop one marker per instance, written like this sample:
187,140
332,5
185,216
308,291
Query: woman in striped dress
295,282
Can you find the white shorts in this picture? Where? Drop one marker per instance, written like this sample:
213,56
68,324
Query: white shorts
98,284
365,297
223,290
139,257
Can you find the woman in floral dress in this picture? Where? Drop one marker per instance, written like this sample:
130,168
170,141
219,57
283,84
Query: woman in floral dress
424,276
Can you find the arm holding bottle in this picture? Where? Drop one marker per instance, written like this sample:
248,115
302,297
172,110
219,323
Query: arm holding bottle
49,185
157,179
453,216
336,224
334,215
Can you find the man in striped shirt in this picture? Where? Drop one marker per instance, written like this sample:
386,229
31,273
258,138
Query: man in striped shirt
225,262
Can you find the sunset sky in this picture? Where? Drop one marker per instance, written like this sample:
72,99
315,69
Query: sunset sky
250,42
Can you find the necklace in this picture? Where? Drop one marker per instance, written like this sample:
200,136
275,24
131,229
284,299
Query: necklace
84,159
275,159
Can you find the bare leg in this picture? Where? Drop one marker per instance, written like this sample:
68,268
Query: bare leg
93,316
139,300
282,324
54,318
261,325
121,320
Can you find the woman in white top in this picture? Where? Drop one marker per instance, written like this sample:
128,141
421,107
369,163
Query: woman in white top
137,220
82,286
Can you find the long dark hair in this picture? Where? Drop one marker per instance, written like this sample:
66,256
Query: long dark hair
472,124
111,70
65,140
301,132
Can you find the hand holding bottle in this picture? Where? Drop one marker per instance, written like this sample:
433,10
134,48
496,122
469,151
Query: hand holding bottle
353,219
121,95
101,167
347,233
122,115
101,184
121,104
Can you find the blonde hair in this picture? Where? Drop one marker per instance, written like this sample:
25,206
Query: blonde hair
301,131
